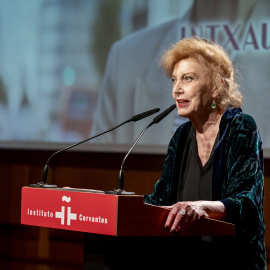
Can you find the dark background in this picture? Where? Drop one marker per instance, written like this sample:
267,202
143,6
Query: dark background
29,247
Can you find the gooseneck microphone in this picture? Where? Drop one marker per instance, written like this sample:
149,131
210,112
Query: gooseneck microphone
135,118
156,120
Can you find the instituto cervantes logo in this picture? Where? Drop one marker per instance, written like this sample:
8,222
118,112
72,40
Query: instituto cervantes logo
65,215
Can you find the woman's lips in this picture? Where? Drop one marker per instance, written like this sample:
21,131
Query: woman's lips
182,102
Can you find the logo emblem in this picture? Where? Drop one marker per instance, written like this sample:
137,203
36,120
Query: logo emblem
61,215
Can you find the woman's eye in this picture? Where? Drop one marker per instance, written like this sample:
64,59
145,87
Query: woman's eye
173,80
188,78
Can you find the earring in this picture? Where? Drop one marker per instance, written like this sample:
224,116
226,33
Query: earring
213,105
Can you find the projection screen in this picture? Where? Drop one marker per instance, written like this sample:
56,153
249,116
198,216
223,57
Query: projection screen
71,69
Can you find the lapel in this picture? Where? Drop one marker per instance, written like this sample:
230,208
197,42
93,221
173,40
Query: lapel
219,168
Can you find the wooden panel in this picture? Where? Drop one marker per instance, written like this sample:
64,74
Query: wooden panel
26,248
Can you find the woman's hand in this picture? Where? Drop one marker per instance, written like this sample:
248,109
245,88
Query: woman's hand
185,214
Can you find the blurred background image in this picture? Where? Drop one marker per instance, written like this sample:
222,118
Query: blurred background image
57,84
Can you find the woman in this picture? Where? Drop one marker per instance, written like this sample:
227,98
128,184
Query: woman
214,164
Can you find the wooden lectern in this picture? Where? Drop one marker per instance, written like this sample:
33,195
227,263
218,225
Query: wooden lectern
121,231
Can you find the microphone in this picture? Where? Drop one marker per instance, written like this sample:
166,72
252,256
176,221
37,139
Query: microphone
156,120
135,118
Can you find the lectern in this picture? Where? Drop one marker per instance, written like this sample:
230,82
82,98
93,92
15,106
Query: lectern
121,231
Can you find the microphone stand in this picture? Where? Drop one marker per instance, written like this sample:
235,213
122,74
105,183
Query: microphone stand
119,190
43,184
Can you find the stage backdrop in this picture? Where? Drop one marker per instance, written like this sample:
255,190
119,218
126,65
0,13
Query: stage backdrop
70,69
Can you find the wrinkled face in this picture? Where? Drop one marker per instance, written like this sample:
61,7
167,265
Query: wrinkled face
192,89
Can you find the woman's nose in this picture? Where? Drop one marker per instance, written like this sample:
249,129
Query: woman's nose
177,89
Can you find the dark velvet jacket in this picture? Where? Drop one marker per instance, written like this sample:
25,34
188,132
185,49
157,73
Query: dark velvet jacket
237,181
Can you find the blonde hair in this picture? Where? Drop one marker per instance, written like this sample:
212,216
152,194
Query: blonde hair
215,59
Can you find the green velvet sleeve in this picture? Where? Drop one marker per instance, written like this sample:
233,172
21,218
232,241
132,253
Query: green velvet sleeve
243,186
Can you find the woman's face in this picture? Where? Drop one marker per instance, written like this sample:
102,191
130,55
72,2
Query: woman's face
192,88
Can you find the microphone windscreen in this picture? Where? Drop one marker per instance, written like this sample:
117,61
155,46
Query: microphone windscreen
144,114
163,114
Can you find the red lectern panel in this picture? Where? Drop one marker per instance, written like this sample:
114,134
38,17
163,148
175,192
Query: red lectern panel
69,210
